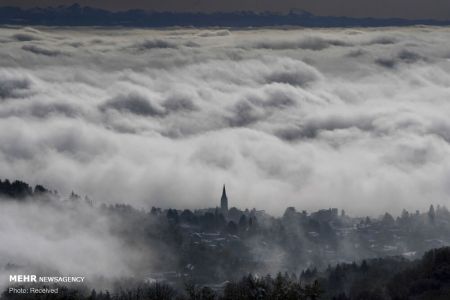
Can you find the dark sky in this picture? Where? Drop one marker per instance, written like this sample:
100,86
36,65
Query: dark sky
411,9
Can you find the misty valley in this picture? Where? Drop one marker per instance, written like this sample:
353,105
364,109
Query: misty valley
219,163
222,252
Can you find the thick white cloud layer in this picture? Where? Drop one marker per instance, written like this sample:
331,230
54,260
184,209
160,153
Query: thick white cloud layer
349,118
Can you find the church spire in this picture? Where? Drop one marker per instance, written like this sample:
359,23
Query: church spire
224,201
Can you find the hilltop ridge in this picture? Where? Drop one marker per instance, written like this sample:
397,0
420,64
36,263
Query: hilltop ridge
77,15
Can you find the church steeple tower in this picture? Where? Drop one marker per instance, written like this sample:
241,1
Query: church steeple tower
224,201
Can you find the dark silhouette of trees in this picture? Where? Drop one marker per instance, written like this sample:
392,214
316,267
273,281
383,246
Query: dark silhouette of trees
195,292
40,190
232,228
243,223
17,189
427,279
159,291
188,216
172,215
388,219
280,287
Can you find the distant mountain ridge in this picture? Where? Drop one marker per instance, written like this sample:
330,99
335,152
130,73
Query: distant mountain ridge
76,15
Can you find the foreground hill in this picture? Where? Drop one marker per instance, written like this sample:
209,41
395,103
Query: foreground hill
379,279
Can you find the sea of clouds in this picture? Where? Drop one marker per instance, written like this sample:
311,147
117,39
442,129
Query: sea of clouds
349,118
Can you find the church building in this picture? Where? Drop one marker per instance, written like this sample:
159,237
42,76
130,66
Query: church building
224,201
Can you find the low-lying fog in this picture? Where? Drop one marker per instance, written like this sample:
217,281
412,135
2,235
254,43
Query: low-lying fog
348,118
